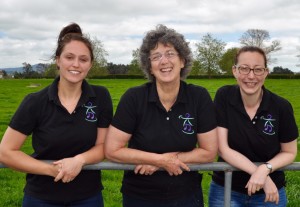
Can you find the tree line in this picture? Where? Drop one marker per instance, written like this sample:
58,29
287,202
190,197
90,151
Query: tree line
210,58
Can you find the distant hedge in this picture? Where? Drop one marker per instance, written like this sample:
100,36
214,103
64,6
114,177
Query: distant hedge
121,76
284,76
270,76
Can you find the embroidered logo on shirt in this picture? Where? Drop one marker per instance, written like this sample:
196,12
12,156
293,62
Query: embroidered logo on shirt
90,114
187,125
268,126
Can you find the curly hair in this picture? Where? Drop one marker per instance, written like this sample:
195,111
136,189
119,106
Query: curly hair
166,36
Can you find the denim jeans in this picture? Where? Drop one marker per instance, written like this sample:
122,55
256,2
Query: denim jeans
216,198
95,201
193,200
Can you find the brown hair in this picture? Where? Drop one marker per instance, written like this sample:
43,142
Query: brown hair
69,33
250,49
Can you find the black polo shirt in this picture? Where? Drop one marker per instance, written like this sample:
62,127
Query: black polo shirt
57,134
154,129
258,139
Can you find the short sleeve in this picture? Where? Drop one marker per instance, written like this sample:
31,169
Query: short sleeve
288,130
126,113
105,105
220,102
206,112
25,118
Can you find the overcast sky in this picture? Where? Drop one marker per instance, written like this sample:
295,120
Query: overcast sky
29,28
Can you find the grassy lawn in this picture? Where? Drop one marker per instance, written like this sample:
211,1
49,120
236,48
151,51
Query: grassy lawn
13,91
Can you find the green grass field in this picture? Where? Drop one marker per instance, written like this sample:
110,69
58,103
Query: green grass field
13,91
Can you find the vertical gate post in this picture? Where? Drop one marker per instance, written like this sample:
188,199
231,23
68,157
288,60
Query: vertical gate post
227,188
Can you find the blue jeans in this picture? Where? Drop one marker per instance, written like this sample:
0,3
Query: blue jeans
216,198
193,200
95,201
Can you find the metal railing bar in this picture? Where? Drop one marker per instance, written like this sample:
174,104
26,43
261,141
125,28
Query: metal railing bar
214,166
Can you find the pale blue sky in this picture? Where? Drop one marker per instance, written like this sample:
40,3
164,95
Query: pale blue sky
28,29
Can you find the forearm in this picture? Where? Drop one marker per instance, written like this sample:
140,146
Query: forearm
134,156
197,155
238,160
281,159
92,156
286,155
20,161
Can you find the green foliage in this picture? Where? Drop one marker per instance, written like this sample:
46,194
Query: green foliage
280,70
283,76
197,69
134,67
13,91
117,68
99,52
3,73
51,71
97,70
209,52
227,60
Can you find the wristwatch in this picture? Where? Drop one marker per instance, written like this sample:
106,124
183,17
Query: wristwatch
269,166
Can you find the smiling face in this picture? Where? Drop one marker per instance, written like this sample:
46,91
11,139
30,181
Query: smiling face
165,69
250,84
74,62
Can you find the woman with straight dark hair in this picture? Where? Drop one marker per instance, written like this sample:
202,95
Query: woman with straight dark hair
68,121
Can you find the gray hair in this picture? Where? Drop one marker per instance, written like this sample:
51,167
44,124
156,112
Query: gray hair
166,36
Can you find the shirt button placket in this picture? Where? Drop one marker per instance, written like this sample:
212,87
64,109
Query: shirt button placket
254,121
168,117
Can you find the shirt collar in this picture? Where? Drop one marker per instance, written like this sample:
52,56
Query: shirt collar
266,100
153,95
236,99
87,92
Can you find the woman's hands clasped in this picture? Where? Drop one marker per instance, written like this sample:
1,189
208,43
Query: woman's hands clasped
260,180
169,162
68,169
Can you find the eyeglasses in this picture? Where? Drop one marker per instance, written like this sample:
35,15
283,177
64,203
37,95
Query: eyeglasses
158,56
245,70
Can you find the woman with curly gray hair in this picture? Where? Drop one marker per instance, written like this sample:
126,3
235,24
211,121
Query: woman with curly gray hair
165,36
163,124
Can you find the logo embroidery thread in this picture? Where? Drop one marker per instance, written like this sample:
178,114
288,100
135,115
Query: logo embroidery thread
187,125
90,113
268,126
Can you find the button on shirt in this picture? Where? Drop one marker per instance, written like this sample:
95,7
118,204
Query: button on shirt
154,129
258,139
57,134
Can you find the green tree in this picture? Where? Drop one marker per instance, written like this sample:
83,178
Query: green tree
281,70
27,70
99,51
117,68
41,68
4,73
259,38
209,52
134,67
97,70
227,60
51,71
197,68
99,67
